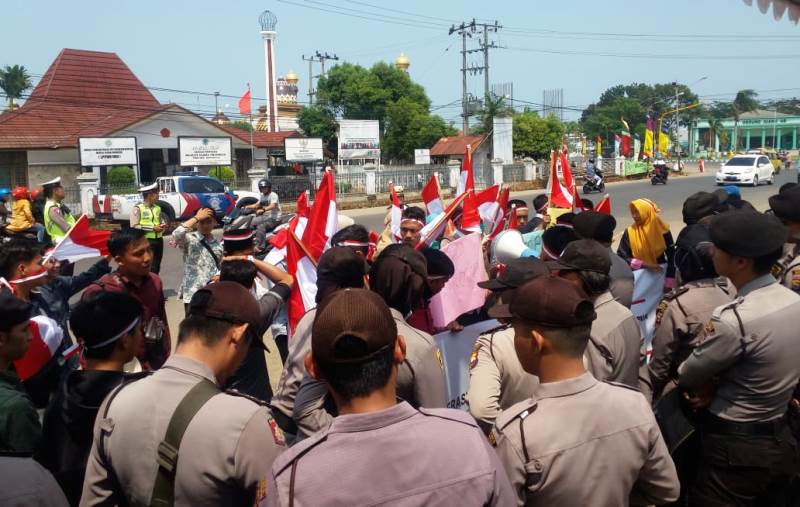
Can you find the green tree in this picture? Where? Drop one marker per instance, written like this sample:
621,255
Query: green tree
14,81
535,136
744,102
317,121
241,124
222,172
410,126
493,107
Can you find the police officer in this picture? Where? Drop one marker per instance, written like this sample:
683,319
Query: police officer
683,313
174,436
786,206
743,373
380,450
576,441
615,340
147,216
496,379
57,217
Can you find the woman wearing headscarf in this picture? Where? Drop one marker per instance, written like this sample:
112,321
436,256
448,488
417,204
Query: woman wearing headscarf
648,243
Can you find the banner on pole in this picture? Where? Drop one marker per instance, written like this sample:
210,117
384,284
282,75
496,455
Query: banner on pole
461,293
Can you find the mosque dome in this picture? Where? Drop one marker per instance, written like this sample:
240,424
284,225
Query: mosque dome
402,62
292,77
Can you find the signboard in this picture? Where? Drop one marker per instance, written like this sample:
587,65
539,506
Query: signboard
422,157
303,149
104,151
204,151
632,168
359,139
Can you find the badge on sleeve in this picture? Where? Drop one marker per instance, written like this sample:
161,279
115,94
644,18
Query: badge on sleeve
708,329
261,492
795,280
439,358
662,308
492,439
277,432
473,357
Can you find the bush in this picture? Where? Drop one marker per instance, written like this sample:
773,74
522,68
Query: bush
121,175
222,172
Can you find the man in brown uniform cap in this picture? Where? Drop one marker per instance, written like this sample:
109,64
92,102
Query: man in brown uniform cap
745,370
577,441
226,445
786,206
616,338
496,379
379,450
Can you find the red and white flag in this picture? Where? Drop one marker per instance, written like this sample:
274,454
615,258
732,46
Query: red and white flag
503,212
432,197
558,195
373,245
470,215
434,229
604,206
46,337
296,224
513,219
81,242
304,271
396,215
466,181
322,218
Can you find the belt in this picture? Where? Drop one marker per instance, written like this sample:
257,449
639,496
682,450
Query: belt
719,426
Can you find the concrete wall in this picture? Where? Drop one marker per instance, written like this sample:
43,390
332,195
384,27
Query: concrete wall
40,173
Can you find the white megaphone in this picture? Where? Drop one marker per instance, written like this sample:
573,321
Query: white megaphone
507,246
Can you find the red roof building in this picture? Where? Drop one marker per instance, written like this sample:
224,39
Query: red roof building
456,145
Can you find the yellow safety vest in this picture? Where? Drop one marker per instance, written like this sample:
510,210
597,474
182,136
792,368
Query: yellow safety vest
53,230
149,217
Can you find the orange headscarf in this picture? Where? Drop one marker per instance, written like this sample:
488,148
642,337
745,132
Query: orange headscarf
647,240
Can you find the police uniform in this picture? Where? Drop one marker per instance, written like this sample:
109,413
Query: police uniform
750,353
680,322
496,378
613,352
147,218
57,218
786,206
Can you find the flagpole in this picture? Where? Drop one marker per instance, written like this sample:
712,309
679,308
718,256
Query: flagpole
55,247
250,115
303,247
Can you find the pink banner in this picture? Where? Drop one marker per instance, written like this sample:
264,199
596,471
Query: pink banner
461,293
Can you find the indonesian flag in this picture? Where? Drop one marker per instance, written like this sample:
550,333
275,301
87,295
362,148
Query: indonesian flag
244,102
432,197
513,220
578,204
488,206
433,230
46,337
81,242
373,245
502,203
558,196
296,224
470,214
304,271
466,181
322,218
604,206
397,213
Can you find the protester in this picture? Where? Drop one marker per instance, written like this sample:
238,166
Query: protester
131,251
252,377
237,238
552,456
355,237
358,351
440,271
521,207
411,224
647,243
147,216
202,253
226,443
613,350
20,431
541,220
24,482
741,377
496,378
786,206
109,328
22,220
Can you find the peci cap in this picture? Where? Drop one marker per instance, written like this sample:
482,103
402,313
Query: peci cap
228,301
595,225
550,302
146,189
583,255
358,313
516,273
556,238
747,234
786,204
343,266
700,205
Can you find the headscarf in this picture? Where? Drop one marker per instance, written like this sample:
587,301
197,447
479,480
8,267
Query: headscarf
647,240
400,276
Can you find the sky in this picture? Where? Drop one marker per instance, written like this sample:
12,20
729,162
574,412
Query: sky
580,46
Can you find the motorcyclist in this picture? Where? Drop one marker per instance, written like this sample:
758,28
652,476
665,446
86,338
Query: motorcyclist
268,211
592,174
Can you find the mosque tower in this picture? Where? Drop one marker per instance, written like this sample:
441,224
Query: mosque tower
268,34
402,62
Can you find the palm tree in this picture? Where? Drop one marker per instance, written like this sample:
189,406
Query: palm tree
744,102
493,106
14,81
714,131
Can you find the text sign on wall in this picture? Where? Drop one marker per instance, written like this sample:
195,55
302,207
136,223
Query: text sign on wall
303,149
422,157
359,139
204,151
103,151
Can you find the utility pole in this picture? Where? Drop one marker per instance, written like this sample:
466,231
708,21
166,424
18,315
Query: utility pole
216,104
677,125
486,29
323,57
465,30
310,61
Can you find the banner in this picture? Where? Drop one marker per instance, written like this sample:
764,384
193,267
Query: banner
456,349
359,139
648,290
302,149
100,151
631,167
461,293
204,151
422,156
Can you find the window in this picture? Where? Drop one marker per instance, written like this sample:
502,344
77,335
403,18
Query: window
166,185
740,162
202,186
763,161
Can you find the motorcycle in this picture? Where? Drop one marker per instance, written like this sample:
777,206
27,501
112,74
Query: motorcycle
660,174
594,184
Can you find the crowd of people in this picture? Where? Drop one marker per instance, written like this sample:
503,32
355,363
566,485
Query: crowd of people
569,403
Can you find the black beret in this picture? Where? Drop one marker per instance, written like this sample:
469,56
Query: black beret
786,205
595,225
700,205
747,234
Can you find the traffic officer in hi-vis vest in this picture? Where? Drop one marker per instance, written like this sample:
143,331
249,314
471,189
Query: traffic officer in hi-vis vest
147,216
57,217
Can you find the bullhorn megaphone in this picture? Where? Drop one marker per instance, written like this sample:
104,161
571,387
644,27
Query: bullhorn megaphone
507,246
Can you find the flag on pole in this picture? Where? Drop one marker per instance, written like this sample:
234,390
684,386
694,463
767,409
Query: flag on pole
297,224
244,103
322,218
556,193
466,180
396,214
513,219
45,339
433,230
81,242
488,207
625,148
604,206
569,181
503,213
432,197
598,145
650,126
470,214
304,271
663,139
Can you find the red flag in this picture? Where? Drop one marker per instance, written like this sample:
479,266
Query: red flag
502,203
513,219
576,200
322,219
46,336
470,216
432,196
604,206
304,271
373,245
557,194
244,103
297,224
396,214
566,172
81,242
466,181
488,206
432,231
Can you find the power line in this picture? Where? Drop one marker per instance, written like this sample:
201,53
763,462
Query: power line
656,56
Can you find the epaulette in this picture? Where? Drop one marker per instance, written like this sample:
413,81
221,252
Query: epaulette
458,416
716,316
674,293
620,384
717,313
236,392
491,333
520,410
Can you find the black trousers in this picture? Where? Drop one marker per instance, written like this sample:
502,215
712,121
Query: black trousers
745,470
157,246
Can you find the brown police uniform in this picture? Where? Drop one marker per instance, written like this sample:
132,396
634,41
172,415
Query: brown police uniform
613,350
496,378
680,322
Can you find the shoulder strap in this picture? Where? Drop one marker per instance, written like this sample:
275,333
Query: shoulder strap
210,251
164,487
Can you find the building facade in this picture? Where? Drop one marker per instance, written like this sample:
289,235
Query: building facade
756,129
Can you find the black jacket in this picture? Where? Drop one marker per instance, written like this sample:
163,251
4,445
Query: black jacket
668,257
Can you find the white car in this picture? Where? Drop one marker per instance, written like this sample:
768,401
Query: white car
748,169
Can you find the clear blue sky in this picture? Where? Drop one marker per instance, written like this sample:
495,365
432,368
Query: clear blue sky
204,45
